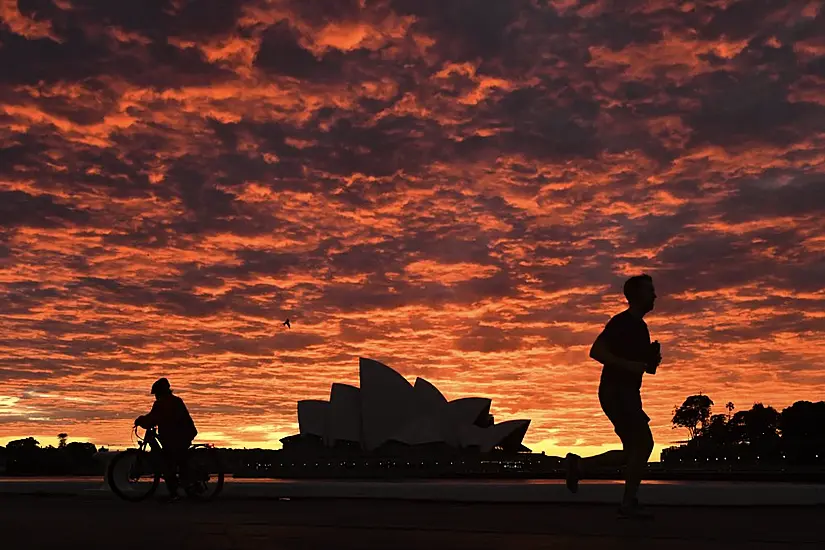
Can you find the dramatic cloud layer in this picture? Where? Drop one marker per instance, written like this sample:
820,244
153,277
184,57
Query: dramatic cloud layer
456,188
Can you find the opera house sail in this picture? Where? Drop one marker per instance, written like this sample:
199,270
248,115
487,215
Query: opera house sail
388,413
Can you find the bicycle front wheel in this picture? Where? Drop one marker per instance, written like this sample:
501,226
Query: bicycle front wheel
132,475
204,473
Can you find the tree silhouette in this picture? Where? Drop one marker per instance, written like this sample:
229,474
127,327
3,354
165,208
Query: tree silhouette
62,437
758,424
27,444
693,414
803,438
717,428
23,455
757,430
803,420
729,406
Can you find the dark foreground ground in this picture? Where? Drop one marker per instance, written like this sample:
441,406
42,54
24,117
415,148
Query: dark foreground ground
84,523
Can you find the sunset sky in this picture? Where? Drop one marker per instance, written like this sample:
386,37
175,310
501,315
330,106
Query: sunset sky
455,188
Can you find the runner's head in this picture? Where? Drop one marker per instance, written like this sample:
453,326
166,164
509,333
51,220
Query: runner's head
640,293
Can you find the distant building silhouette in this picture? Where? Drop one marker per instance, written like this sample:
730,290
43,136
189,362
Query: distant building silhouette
387,412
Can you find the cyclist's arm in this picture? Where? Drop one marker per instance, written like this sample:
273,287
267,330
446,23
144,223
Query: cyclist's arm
149,420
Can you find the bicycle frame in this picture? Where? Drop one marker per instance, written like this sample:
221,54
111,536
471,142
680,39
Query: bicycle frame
150,439
155,449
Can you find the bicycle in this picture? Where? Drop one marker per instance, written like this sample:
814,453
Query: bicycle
134,474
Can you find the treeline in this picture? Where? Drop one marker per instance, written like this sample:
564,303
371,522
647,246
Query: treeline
759,436
27,457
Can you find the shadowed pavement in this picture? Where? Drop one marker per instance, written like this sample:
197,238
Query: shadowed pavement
49,522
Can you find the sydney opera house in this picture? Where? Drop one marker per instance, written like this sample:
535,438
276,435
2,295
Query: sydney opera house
388,415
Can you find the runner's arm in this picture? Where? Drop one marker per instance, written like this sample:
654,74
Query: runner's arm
601,352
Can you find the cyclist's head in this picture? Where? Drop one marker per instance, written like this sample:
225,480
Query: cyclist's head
161,387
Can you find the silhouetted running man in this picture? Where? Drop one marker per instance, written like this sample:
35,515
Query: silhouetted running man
176,430
625,350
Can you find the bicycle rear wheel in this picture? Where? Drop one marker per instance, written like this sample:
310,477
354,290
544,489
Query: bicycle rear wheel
132,475
204,473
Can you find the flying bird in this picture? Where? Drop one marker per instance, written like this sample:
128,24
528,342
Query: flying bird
286,324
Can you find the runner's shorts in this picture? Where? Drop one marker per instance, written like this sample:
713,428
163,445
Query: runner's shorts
623,406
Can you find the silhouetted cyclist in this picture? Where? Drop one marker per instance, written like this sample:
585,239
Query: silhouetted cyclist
176,430
625,350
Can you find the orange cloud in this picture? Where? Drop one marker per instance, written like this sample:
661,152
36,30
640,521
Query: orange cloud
456,192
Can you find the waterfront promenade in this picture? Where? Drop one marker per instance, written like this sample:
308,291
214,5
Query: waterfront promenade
665,493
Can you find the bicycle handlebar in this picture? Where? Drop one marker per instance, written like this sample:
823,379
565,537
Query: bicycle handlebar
137,435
